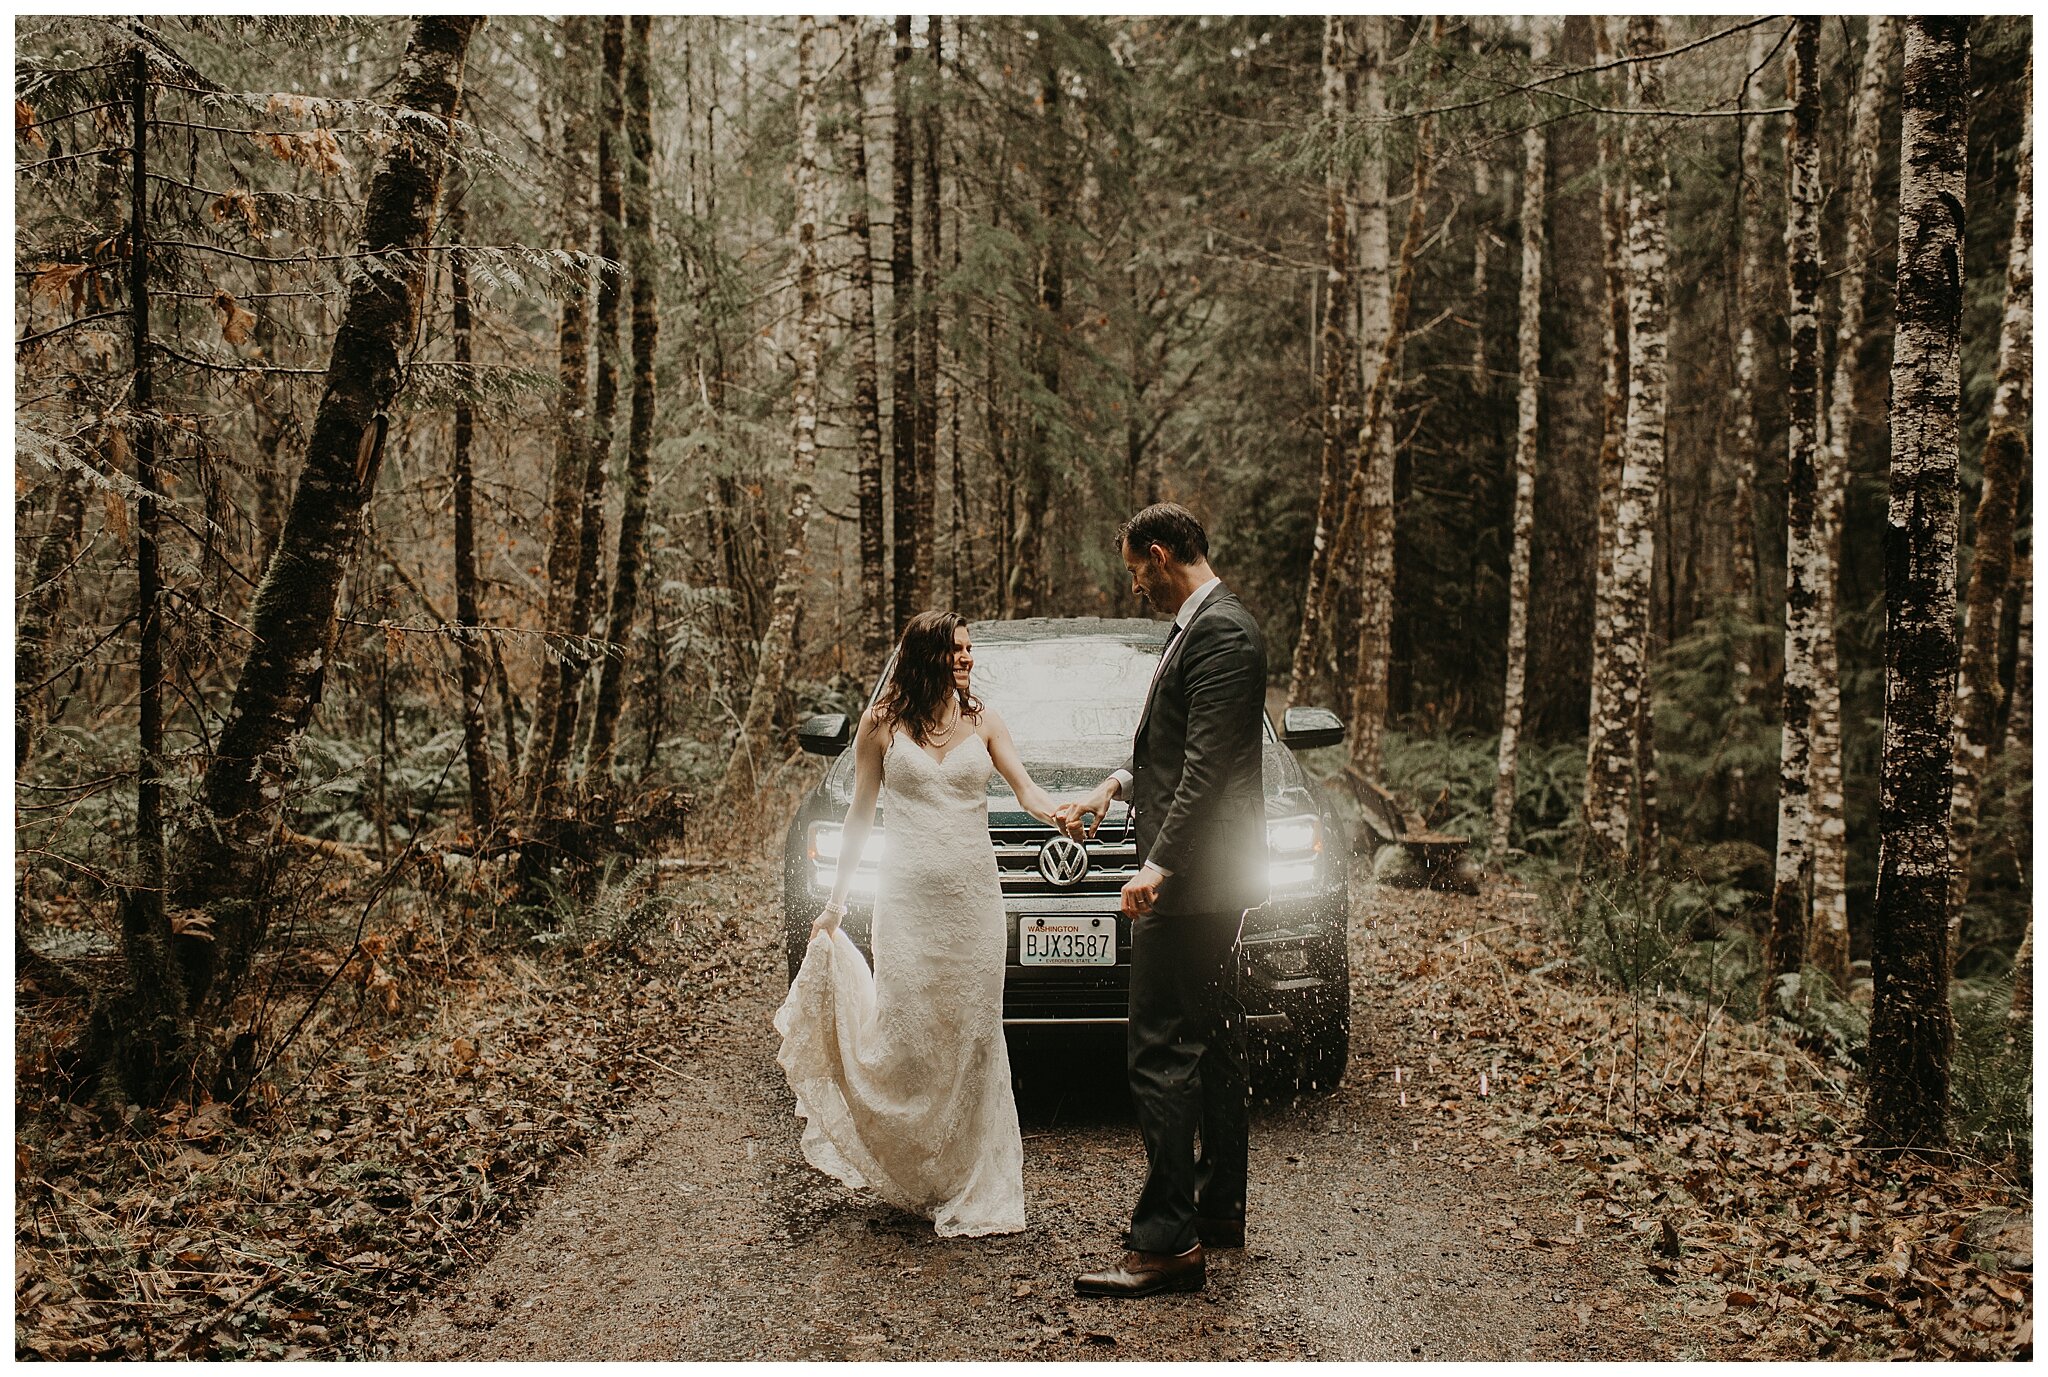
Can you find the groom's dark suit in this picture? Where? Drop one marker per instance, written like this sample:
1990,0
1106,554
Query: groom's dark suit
1199,804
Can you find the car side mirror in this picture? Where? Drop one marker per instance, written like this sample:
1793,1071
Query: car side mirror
828,733
1303,729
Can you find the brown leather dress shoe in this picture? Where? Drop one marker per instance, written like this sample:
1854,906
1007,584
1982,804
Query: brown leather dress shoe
1220,1233
1145,1274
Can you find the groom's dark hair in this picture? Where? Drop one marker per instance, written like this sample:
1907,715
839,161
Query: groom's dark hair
1166,524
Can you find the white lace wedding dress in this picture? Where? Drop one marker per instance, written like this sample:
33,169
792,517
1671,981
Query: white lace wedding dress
901,1076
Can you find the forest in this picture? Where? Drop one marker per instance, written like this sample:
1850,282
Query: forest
453,455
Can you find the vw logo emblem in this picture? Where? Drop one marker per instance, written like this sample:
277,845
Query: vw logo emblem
1063,861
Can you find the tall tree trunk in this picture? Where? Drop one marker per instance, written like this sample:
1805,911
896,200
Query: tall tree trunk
1829,946
903,328
1335,379
476,732
638,99
1365,534
151,1024
1034,489
2005,465
1482,264
1615,750
742,771
1613,421
292,624
1911,1030
1751,304
1807,565
572,427
931,131
611,291
1528,417
877,622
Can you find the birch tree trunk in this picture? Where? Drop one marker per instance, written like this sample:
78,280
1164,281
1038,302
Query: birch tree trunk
1613,423
876,620
1829,945
1335,378
1911,1030
2005,466
1807,565
1750,303
638,111
1614,749
743,770
903,330
1482,263
292,623
1528,417
572,422
476,730
1369,506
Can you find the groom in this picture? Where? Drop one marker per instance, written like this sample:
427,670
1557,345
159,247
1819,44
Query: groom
1196,795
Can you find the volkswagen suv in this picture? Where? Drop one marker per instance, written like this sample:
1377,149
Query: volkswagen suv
1072,690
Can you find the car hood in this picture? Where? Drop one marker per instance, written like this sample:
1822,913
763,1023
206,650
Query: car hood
1287,787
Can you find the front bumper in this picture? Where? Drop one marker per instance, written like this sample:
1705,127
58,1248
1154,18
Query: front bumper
1292,961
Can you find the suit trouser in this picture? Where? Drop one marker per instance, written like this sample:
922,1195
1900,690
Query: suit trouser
1189,1077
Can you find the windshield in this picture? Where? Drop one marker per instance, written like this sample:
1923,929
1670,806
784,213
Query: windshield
1065,698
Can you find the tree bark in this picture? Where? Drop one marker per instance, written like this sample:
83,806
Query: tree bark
292,624
1613,422
742,771
1807,565
1616,748
1335,378
1528,418
1991,561
1751,302
1027,584
572,430
877,623
1367,527
638,98
903,329
2019,716
1829,947
476,732
611,291
927,214
1911,1031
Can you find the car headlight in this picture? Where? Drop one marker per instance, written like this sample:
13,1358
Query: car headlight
825,846
1302,836
1294,846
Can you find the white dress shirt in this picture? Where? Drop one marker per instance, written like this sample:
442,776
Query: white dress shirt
1180,620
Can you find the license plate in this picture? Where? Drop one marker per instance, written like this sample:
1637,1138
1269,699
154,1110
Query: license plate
1085,941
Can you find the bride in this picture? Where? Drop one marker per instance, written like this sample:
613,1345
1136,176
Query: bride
901,1076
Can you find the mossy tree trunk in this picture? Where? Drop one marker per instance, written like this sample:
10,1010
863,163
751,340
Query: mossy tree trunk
627,566
292,624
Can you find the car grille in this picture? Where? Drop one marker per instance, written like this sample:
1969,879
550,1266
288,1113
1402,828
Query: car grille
1112,859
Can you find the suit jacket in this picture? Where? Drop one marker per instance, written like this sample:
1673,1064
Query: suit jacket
1198,792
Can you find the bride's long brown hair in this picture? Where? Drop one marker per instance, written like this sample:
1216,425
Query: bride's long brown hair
922,679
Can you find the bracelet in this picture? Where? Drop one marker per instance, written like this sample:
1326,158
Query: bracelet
839,909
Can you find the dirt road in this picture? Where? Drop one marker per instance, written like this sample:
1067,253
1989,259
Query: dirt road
701,1234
